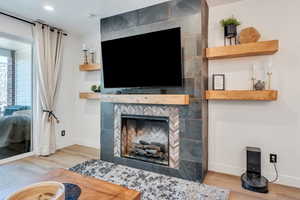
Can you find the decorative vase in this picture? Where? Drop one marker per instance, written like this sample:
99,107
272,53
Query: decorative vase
260,85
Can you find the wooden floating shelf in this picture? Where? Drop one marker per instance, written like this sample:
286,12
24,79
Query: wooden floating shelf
242,95
90,95
90,67
165,99
243,50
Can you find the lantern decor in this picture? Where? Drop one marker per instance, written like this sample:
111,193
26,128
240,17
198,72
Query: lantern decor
253,78
93,59
269,73
85,54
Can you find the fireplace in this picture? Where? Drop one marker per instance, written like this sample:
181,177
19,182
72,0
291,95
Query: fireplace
145,138
157,138
147,134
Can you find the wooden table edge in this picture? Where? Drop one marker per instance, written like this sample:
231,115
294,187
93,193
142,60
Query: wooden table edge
60,173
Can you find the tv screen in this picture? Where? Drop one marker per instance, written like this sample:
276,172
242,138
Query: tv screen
148,60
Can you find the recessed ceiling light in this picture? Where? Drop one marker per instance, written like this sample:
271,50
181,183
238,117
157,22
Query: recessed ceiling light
48,8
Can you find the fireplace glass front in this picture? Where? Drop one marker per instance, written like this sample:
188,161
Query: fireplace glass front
145,138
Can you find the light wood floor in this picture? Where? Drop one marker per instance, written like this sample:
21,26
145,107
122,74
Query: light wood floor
233,183
21,170
26,168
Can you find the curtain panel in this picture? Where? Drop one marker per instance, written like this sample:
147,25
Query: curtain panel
48,48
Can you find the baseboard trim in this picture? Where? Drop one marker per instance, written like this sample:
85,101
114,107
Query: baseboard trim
87,143
232,170
18,157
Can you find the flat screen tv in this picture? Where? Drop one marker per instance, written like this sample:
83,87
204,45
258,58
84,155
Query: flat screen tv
151,60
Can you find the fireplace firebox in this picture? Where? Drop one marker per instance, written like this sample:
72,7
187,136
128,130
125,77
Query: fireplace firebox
145,138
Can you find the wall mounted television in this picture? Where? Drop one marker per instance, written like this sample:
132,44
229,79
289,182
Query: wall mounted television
151,60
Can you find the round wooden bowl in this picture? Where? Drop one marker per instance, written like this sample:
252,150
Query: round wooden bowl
40,191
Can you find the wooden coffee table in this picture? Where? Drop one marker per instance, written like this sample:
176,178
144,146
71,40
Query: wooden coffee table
91,188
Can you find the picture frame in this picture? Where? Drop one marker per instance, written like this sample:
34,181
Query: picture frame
218,82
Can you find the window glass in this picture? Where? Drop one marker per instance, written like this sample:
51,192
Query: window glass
3,83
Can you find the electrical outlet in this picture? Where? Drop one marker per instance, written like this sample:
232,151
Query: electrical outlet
273,158
63,133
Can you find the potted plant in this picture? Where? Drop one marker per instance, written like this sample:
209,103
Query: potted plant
230,27
96,88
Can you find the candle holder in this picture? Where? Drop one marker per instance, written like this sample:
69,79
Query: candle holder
253,79
85,54
93,60
269,80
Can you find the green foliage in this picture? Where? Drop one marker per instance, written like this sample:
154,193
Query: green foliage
229,21
96,88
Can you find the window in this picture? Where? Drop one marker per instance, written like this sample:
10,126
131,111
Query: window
3,82
15,96
15,76
23,76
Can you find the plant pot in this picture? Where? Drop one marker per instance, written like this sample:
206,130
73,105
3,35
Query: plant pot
230,31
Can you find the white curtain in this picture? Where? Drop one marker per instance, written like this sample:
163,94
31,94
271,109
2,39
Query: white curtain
48,48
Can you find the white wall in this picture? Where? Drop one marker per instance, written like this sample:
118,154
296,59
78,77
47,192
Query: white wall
272,126
67,96
87,112
15,28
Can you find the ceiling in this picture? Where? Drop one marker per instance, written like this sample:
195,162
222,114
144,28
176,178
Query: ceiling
73,15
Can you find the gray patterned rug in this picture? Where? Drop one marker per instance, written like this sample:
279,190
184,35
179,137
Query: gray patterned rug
152,185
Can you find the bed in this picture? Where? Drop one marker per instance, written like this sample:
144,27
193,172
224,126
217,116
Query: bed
15,129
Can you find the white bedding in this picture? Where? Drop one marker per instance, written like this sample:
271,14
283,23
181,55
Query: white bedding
15,128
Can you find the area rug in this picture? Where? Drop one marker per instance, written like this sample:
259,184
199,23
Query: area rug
153,186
